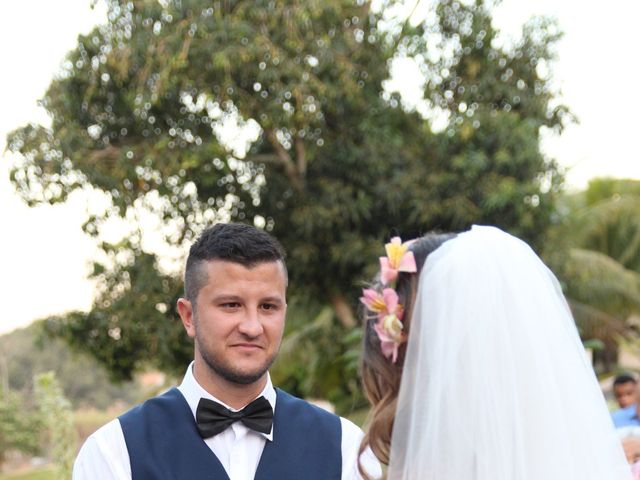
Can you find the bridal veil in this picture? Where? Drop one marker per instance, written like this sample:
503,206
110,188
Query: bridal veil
496,384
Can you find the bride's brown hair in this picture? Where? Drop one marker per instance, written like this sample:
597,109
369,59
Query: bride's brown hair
380,376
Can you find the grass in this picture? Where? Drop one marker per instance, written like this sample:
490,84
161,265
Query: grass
38,474
86,421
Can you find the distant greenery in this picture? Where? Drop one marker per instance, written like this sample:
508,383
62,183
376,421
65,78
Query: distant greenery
28,352
20,424
595,250
47,473
57,419
40,422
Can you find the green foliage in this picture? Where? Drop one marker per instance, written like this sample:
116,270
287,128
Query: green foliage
317,359
28,352
601,189
610,220
40,474
333,164
152,336
603,293
19,424
595,250
57,417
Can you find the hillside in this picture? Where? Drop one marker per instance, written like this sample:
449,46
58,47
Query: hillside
26,352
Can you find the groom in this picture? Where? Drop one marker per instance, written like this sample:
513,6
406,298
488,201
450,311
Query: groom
226,420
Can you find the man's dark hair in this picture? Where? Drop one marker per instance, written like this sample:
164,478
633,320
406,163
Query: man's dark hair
624,378
231,242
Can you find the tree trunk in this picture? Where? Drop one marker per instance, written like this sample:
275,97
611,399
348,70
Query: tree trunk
343,311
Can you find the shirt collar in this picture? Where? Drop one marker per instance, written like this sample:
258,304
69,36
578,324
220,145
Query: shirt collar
193,392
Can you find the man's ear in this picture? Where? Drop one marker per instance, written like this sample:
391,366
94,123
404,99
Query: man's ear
185,310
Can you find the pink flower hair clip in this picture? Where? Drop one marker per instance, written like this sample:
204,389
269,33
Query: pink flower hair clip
398,259
390,313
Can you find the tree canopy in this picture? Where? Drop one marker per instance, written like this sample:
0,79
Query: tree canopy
594,250
276,113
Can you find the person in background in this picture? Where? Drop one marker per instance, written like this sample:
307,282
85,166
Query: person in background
630,438
625,390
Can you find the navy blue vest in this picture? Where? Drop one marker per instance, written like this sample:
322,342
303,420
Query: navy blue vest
163,442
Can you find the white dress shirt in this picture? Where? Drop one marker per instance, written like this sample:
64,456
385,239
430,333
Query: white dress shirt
104,455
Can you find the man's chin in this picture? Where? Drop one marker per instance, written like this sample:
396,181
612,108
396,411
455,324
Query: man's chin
239,369
242,376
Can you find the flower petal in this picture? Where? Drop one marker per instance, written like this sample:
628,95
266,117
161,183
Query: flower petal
382,334
373,300
395,250
393,326
389,350
388,274
408,263
394,354
390,298
388,346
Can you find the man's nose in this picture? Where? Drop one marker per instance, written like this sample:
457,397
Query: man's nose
251,325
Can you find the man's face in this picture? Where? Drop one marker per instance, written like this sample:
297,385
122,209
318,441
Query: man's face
238,320
625,394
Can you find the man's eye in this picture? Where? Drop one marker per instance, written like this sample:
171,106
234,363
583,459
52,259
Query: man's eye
269,306
230,305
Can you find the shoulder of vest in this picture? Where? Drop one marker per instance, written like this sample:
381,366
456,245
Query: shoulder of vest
294,405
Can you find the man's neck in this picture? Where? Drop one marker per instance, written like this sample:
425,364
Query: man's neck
235,395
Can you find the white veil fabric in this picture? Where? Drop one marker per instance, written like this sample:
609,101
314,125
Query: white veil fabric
496,384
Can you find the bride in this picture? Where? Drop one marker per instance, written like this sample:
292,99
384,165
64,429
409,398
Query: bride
475,369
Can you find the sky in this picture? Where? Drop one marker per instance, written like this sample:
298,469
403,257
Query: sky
43,253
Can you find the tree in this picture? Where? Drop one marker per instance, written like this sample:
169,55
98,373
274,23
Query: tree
57,417
19,425
595,251
609,221
333,164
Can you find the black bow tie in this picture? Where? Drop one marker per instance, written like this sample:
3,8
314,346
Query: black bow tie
213,418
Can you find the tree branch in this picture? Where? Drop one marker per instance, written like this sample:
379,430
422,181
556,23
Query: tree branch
108,155
263,158
285,159
343,310
300,157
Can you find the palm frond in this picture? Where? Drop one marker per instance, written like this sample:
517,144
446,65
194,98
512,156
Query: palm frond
595,323
292,341
593,278
611,226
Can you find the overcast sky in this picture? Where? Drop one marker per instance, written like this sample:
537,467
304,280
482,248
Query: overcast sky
43,253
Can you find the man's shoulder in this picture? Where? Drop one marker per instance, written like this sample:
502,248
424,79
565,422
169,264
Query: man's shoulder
626,416
315,408
294,406
111,433
625,412
108,434
103,455
293,402
350,436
